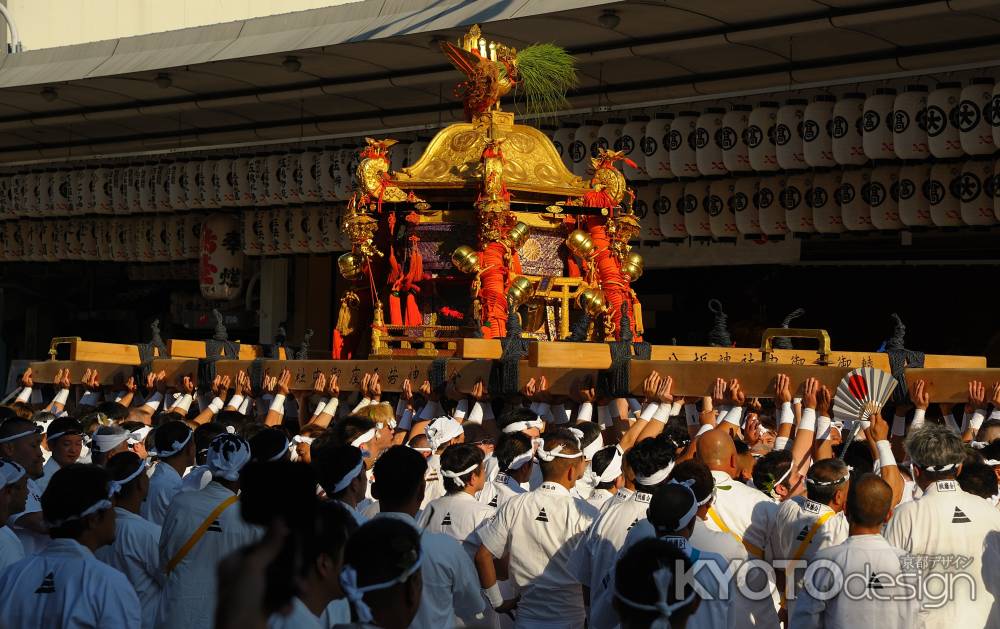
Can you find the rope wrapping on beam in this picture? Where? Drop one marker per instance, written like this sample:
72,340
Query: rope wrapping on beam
437,375
900,358
147,352
218,343
718,336
578,334
615,382
504,373
783,342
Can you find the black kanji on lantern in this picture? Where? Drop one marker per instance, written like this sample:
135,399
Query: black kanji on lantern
231,241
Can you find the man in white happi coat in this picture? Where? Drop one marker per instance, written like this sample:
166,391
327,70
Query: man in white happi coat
340,470
515,456
13,495
949,533
458,514
64,438
136,549
449,578
651,462
606,476
175,451
21,442
200,528
540,530
873,590
65,585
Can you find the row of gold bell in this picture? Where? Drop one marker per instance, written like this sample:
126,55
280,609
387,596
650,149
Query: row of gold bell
351,265
466,259
520,291
592,301
632,267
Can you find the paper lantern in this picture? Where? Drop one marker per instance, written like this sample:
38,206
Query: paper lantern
909,134
994,116
76,185
220,261
70,231
914,208
697,222
631,144
117,202
683,152
943,189
771,214
207,183
744,206
347,164
848,143
177,188
262,175
397,156
995,189
29,240
62,192
562,140
222,181
311,192
277,177
817,132
609,134
788,134
853,198
708,152
299,232
44,193
672,210
883,198
795,199
759,137
47,239
329,172
823,199
731,137
176,233
254,233
974,117
583,147
319,231
976,192
876,125
89,238
118,239
163,184
656,146
7,208
722,208
293,176
192,236
144,184
133,188
646,198
29,196
161,244
242,183
941,120
276,239
59,240
416,150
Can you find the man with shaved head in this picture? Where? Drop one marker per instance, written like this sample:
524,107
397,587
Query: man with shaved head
872,591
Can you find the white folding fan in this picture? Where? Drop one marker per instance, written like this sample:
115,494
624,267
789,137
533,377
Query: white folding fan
861,393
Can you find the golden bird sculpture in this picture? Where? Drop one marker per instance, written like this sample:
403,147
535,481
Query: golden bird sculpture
373,173
481,62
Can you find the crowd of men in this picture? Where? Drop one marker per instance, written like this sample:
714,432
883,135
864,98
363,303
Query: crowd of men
242,506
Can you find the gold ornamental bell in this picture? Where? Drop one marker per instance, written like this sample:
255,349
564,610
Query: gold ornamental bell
520,291
580,243
592,301
632,267
466,259
351,265
518,235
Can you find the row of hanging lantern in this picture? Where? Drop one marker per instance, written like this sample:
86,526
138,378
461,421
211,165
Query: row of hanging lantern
884,197
917,123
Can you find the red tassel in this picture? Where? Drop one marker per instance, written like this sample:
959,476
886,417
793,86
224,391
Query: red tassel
629,162
598,198
395,313
413,316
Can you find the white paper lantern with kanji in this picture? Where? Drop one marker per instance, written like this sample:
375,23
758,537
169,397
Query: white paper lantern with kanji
45,193
329,172
759,137
293,176
656,146
89,238
319,231
848,143
771,211
47,239
299,233
584,147
146,176
683,151
823,199
732,138
944,186
876,124
29,240
161,196
976,192
909,135
58,240
721,210
696,208
62,193
261,175
994,116
795,199
883,197
708,153
311,192
223,181
133,190
562,139
941,120
788,134
276,242
242,184
208,183
253,231
277,177
161,245
178,185
117,191
671,216
646,197
631,144
609,134
220,261
914,208
29,197
853,198
192,235
744,206
974,117
347,161
341,240
70,231
118,240
176,234
817,128
78,186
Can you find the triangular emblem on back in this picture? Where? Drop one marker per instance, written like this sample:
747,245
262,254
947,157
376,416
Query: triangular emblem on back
48,585
493,503
959,517
874,583
446,521
542,517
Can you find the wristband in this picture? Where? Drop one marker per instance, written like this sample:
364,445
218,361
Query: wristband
319,407
120,395
995,414
649,410
365,401
235,402
734,416
781,443
216,405
90,398
899,426
475,415
796,401
183,403
61,397
331,407
704,428
675,408
662,413
691,413
461,410
787,415
918,418
585,412
245,407
493,595
153,402
278,404
885,456
808,420
24,395
823,428
976,421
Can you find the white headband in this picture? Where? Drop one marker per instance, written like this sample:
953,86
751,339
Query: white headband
518,462
175,447
656,477
363,438
551,455
116,485
611,472
56,435
591,449
349,477
522,426
100,505
442,430
576,432
356,595
938,468
34,431
10,472
687,517
827,483
139,435
457,476
106,443
302,439
662,578
281,452
227,454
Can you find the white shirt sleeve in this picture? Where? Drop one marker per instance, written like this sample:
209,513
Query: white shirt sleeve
119,603
495,532
466,596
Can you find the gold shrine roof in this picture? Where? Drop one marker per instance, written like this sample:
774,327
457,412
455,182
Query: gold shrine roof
532,165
